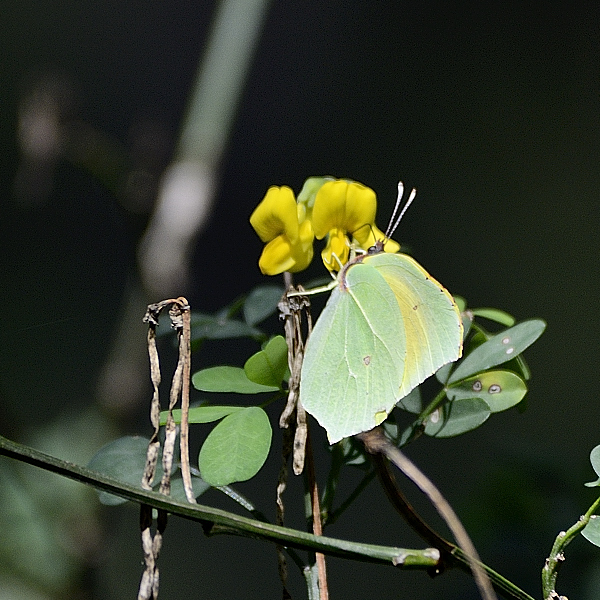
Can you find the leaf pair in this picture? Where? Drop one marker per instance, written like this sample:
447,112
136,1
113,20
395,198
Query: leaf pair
263,372
236,449
473,390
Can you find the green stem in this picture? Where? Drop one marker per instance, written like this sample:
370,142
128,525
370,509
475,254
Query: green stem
216,521
418,425
432,406
450,553
557,557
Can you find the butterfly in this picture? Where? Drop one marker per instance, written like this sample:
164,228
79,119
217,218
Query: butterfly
387,326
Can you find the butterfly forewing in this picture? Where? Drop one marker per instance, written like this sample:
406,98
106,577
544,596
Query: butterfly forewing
432,320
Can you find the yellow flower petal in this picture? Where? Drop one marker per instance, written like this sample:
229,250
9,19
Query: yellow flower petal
367,236
276,256
337,250
306,236
281,255
343,205
276,215
302,252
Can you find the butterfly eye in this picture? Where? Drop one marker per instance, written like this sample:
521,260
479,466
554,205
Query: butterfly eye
376,248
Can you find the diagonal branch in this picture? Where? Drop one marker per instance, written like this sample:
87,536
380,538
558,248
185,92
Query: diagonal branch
216,521
377,444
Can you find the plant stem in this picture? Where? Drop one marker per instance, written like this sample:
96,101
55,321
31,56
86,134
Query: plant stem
557,557
432,406
450,553
216,521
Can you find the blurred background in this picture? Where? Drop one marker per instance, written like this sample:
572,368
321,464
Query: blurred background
136,140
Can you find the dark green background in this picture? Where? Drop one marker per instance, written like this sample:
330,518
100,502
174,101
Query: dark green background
490,110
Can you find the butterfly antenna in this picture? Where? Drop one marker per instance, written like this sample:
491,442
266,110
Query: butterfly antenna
393,221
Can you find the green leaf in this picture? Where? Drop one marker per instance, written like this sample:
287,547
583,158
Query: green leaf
261,303
228,379
199,486
591,531
201,414
460,302
352,452
499,389
499,349
457,417
496,315
269,366
411,403
124,459
236,448
595,460
218,327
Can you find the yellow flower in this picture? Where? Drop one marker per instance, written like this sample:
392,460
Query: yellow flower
336,252
342,209
282,224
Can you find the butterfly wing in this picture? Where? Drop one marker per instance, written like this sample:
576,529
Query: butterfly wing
355,357
432,321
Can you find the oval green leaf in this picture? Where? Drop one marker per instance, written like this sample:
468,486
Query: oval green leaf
591,531
595,460
499,349
236,448
496,315
411,403
261,303
201,414
499,389
269,366
123,459
457,417
228,379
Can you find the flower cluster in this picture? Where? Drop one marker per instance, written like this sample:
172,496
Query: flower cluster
341,211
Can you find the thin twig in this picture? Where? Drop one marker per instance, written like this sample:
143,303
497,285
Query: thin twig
376,442
294,432
317,525
291,309
557,556
286,451
151,544
185,351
